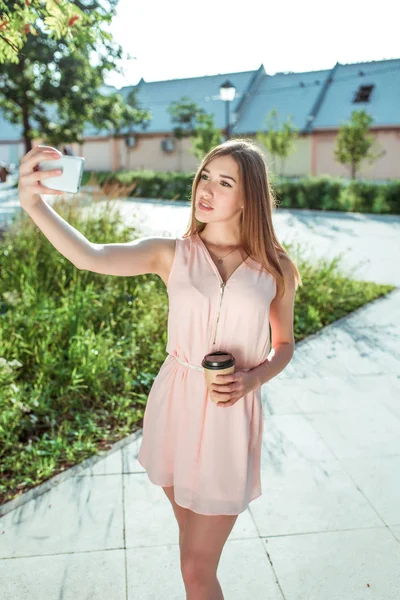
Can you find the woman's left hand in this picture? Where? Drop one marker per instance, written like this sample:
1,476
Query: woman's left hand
230,388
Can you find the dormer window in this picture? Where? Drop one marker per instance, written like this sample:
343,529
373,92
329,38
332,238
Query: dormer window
363,93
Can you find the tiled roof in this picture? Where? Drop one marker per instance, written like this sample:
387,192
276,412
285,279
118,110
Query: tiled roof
292,94
204,91
384,101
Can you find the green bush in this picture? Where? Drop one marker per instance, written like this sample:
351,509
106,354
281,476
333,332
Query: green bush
79,351
318,193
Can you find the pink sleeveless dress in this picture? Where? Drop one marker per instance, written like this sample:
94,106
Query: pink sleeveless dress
210,454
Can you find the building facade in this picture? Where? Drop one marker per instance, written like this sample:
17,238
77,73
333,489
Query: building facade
317,102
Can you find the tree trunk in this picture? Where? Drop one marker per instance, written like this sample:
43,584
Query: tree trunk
27,132
27,129
180,155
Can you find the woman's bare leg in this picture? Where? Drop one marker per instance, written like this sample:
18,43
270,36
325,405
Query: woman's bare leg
181,513
202,543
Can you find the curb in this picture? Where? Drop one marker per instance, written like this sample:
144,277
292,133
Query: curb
44,487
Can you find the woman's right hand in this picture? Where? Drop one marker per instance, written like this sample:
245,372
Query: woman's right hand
29,183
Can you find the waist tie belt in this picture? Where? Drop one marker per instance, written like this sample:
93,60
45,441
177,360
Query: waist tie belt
186,364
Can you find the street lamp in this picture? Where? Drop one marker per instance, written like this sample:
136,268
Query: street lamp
227,93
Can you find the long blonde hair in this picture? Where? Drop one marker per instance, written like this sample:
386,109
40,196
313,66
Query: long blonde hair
259,239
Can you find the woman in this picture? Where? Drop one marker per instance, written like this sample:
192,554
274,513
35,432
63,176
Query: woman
228,280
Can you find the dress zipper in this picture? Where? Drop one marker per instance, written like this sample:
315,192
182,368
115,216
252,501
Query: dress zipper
222,287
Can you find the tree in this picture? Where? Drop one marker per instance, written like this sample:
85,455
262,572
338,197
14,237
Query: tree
132,116
279,142
354,145
185,114
206,136
53,90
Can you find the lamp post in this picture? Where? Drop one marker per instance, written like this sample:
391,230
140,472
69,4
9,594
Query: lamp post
130,142
227,93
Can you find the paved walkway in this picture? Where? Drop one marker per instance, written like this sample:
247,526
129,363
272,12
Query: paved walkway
327,526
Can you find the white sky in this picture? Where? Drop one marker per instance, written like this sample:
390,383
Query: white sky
180,38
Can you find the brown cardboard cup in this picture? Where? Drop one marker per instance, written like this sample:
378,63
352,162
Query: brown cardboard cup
217,363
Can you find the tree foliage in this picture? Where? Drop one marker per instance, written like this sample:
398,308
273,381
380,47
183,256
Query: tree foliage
21,18
184,114
205,136
278,141
54,89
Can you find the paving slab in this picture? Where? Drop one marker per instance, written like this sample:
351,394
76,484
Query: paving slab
96,575
81,514
302,497
358,564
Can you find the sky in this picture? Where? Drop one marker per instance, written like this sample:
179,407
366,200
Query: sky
175,39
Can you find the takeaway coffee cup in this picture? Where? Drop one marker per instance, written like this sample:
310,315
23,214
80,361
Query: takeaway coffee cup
217,363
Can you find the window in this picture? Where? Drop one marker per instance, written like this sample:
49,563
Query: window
364,93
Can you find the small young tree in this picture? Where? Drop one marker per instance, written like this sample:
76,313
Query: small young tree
184,113
206,136
132,119
278,142
354,144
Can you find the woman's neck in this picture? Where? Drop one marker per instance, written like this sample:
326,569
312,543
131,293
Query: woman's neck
218,243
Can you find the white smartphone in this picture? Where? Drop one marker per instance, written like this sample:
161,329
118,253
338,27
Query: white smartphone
71,177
